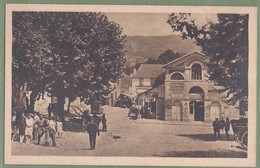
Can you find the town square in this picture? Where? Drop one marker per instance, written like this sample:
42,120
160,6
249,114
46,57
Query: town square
98,83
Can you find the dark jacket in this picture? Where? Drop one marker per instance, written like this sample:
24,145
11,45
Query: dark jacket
92,128
216,125
227,125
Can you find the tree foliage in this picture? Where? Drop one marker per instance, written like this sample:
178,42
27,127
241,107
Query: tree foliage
168,56
67,54
226,45
159,80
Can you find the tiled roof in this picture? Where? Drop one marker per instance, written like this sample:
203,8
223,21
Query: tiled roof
125,82
183,57
148,71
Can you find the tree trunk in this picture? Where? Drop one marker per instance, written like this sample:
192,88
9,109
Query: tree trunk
31,103
60,107
68,110
242,108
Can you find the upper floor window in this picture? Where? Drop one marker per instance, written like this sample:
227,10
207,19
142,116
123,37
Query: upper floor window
152,81
177,76
196,72
141,81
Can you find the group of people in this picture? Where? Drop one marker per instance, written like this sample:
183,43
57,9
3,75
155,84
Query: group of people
27,127
221,125
143,112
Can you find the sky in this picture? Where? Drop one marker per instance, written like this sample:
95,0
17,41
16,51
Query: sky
151,24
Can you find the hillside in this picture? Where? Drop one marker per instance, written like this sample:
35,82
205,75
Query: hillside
142,47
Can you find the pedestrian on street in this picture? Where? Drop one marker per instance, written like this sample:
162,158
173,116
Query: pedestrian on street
216,128
222,124
92,129
104,122
41,128
35,126
15,133
21,125
227,127
29,128
52,130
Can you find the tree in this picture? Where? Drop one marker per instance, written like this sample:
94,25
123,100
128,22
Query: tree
85,56
226,45
159,80
168,56
151,61
29,48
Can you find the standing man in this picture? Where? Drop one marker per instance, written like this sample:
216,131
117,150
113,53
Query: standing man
21,125
92,129
222,124
104,122
216,128
41,128
53,130
227,127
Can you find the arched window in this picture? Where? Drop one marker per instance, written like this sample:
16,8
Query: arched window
196,72
177,76
196,89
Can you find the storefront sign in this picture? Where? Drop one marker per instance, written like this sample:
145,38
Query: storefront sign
177,89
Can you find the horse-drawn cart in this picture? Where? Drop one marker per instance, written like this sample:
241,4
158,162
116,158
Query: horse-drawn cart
240,129
82,117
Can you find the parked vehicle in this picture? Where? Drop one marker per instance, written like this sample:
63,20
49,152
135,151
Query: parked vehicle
240,129
80,116
124,101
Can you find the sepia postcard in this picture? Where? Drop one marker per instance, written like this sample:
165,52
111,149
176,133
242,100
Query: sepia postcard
130,85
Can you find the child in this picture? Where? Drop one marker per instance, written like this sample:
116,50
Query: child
59,128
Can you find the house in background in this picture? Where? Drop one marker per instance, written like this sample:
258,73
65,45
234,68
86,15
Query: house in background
143,79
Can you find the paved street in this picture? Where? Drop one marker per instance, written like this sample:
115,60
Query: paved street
126,137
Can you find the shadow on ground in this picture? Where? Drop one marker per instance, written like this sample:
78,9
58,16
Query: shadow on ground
206,137
205,154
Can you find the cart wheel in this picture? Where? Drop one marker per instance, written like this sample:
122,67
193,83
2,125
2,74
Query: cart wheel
244,140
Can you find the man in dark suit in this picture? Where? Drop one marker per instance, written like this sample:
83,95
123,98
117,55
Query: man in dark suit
216,128
92,129
227,127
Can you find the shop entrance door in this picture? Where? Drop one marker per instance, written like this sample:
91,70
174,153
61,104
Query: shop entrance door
199,111
177,111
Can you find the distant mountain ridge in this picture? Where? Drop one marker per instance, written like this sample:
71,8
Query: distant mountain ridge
143,47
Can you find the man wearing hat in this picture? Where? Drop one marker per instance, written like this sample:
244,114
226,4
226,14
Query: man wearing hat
92,129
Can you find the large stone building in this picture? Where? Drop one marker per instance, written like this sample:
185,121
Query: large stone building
187,94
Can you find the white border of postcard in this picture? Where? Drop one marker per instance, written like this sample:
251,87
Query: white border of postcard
250,161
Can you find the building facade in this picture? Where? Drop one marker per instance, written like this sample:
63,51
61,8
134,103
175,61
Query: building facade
143,79
187,95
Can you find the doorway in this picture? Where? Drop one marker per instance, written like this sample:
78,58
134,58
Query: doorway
196,95
199,111
215,111
177,111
